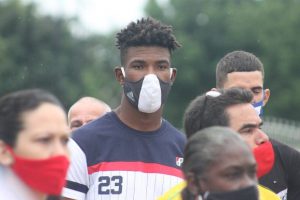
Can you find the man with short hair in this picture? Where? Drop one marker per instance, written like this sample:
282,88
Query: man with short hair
85,110
226,108
230,108
245,70
132,153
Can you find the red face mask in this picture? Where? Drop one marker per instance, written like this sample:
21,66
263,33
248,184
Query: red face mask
44,175
264,156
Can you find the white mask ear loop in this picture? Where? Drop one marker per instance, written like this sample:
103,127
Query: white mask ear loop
171,72
123,71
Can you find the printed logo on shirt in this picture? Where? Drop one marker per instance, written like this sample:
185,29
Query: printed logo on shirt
130,96
179,161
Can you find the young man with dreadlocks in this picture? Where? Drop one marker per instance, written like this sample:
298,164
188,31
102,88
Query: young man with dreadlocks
132,152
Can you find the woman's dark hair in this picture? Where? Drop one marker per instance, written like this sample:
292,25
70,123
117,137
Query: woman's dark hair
14,105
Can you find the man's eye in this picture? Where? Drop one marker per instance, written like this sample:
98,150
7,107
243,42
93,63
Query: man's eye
137,67
162,67
246,131
76,124
256,91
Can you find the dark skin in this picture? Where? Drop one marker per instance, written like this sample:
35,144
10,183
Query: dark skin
138,62
234,168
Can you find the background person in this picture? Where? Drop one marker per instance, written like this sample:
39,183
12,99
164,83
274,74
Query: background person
33,145
85,110
218,164
245,70
230,108
120,154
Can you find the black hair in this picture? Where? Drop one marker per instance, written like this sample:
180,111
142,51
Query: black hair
237,61
146,32
13,106
205,110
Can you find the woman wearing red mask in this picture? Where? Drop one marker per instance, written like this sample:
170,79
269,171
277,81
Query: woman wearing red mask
33,145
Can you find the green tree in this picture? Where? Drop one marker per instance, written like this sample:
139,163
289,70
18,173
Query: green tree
208,29
41,51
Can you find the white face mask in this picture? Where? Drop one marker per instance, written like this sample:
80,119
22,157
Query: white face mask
147,94
150,94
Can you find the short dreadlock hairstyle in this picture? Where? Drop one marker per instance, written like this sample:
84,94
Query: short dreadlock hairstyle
146,32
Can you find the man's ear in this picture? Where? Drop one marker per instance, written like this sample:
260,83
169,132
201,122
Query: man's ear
119,75
267,94
6,158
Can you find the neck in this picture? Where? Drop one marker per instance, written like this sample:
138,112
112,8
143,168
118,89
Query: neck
39,195
137,120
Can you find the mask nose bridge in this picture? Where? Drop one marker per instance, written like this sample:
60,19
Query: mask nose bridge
171,72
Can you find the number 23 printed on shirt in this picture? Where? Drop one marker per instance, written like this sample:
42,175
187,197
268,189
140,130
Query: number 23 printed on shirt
110,185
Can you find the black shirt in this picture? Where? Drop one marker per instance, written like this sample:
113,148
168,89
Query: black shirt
284,177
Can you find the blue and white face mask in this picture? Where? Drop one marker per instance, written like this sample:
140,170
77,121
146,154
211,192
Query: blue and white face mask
258,106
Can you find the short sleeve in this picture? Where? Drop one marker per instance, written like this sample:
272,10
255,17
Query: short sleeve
77,184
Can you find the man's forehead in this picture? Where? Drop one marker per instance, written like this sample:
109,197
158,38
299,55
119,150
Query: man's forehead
135,54
247,80
243,114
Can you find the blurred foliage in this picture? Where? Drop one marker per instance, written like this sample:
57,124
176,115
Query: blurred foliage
208,29
42,51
